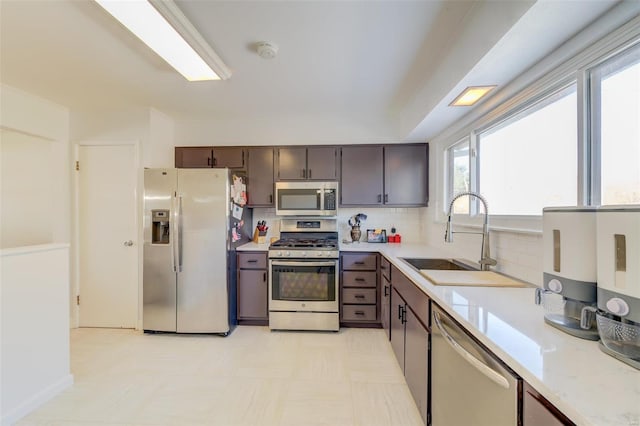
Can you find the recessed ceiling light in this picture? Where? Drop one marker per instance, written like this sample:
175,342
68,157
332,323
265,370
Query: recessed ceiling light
186,51
471,95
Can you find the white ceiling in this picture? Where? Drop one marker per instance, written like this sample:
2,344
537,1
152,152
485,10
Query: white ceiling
394,63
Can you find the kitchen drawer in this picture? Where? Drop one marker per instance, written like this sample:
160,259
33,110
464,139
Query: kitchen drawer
359,278
359,261
385,268
358,312
252,260
359,295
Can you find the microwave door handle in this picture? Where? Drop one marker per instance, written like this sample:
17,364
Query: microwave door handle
279,263
479,365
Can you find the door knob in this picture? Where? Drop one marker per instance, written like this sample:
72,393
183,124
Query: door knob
128,243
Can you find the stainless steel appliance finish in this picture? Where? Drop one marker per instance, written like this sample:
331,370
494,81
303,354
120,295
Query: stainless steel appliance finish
303,284
307,198
484,392
187,287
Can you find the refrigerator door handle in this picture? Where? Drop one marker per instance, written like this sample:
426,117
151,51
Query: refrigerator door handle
179,239
174,234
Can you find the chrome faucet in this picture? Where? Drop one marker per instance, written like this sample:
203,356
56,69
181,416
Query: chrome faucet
485,258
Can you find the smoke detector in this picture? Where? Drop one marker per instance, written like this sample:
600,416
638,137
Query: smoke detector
266,50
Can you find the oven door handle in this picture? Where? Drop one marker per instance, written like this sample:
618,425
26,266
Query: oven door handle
302,263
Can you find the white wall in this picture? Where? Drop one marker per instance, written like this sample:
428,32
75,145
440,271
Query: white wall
299,130
28,118
26,189
34,280
35,327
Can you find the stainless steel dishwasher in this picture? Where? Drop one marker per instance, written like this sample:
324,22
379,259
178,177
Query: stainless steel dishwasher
469,386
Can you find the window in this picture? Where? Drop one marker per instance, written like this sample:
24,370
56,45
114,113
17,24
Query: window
559,142
458,156
530,161
615,94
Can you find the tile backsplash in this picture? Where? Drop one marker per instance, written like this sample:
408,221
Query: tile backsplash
407,221
518,254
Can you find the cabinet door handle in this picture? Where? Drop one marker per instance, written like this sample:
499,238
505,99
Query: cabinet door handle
379,198
242,158
399,312
309,173
215,161
264,277
304,174
386,290
209,161
270,198
386,198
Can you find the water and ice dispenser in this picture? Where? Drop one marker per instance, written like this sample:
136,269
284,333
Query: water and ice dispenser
160,226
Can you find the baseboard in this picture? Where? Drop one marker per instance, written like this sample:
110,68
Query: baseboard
36,400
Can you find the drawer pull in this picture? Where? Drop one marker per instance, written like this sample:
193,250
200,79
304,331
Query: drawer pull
359,296
359,312
359,263
360,279
252,261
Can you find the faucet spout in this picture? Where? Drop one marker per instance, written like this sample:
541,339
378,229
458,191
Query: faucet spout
485,257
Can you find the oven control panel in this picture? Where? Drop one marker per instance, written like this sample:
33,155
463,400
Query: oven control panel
302,254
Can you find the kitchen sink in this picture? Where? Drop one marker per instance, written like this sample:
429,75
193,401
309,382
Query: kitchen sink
439,264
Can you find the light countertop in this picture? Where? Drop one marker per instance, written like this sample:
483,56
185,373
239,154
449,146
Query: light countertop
587,385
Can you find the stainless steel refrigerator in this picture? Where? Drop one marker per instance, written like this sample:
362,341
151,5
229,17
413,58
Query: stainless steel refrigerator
193,220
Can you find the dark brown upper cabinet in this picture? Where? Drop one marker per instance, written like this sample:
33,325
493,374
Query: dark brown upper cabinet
406,174
208,156
193,156
260,177
232,157
361,181
302,163
389,175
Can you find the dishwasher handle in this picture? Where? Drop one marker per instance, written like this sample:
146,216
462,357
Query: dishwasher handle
490,373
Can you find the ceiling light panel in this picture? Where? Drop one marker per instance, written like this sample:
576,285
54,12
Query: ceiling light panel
142,19
471,95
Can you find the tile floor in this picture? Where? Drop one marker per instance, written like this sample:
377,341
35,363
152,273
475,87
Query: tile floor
252,377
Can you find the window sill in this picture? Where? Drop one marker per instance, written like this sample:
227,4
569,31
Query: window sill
528,225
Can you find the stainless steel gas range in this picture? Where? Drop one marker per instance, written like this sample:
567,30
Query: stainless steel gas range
303,284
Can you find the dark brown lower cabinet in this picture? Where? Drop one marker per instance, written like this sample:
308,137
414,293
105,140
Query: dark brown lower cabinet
410,343
253,288
537,411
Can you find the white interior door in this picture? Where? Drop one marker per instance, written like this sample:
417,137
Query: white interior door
108,253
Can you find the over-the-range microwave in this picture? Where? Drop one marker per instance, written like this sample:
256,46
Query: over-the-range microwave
307,198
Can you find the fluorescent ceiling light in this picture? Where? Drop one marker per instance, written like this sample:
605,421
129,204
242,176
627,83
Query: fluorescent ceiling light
471,95
165,29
